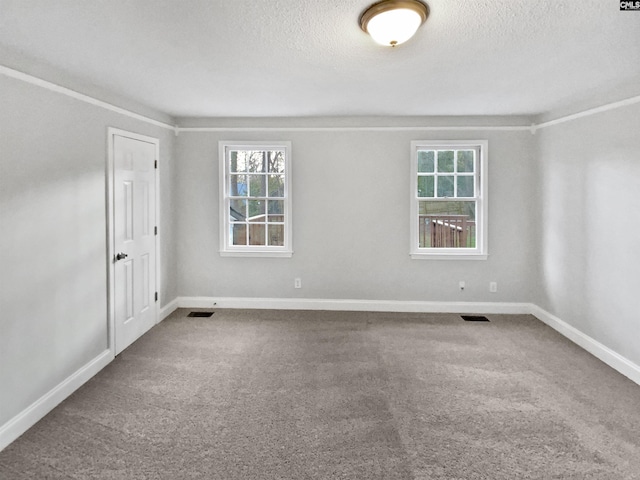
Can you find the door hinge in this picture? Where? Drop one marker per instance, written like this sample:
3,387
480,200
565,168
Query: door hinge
155,230
156,296
155,164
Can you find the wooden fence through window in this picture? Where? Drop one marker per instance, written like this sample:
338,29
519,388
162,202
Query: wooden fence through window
446,231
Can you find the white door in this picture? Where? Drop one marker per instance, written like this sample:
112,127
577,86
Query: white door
134,243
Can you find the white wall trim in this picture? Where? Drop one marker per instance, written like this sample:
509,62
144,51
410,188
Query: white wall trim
354,129
19,424
587,113
532,128
616,361
10,72
168,309
352,305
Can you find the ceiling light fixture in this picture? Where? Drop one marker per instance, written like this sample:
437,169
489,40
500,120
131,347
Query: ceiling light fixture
392,22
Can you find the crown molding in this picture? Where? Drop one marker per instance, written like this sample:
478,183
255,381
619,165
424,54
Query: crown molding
357,129
30,79
587,113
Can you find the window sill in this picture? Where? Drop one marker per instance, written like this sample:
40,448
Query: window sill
256,253
449,256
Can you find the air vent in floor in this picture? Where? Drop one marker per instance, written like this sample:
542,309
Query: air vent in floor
474,318
200,314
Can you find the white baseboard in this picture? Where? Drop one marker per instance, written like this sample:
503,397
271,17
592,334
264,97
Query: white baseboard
37,410
168,309
616,361
353,305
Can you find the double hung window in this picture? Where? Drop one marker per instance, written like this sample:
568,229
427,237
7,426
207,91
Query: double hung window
255,186
449,199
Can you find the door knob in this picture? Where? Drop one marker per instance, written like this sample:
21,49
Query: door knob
120,256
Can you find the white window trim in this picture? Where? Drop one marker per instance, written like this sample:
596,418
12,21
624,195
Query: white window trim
482,213
227,250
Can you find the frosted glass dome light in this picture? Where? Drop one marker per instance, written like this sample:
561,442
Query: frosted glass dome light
392,22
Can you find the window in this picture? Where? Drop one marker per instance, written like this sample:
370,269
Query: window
449,199
255,204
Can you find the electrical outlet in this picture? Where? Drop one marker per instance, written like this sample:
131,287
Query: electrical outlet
461,285
493,287
297,283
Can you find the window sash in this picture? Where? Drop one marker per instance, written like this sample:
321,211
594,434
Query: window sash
274,231
448,225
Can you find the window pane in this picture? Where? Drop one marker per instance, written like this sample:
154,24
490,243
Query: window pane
256,210
445,161
425,186
238,234
276,185
276,207
465,161
237,209
445,186
256,233
276,211
465,186
466,207
238,185
255,161
257,185
276,235
276,161
238,161
447,224
425,161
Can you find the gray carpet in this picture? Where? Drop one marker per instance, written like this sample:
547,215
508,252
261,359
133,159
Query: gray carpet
322,395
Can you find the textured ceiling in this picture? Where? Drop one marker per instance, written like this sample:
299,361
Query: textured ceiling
309,57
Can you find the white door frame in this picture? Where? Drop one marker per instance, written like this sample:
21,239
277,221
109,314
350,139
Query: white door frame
111,318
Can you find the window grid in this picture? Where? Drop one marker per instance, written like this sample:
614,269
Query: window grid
455,174
448,202
256,212
262,202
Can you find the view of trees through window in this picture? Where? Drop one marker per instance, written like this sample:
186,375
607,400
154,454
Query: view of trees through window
256,197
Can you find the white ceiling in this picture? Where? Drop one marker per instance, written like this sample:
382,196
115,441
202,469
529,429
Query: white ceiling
272,58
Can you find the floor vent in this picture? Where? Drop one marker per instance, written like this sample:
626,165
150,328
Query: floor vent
474,318
200,314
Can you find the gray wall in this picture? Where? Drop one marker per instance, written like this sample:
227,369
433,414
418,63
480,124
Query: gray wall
351,221
590,226
53,303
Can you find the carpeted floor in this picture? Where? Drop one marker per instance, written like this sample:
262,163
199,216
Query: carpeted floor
249,394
